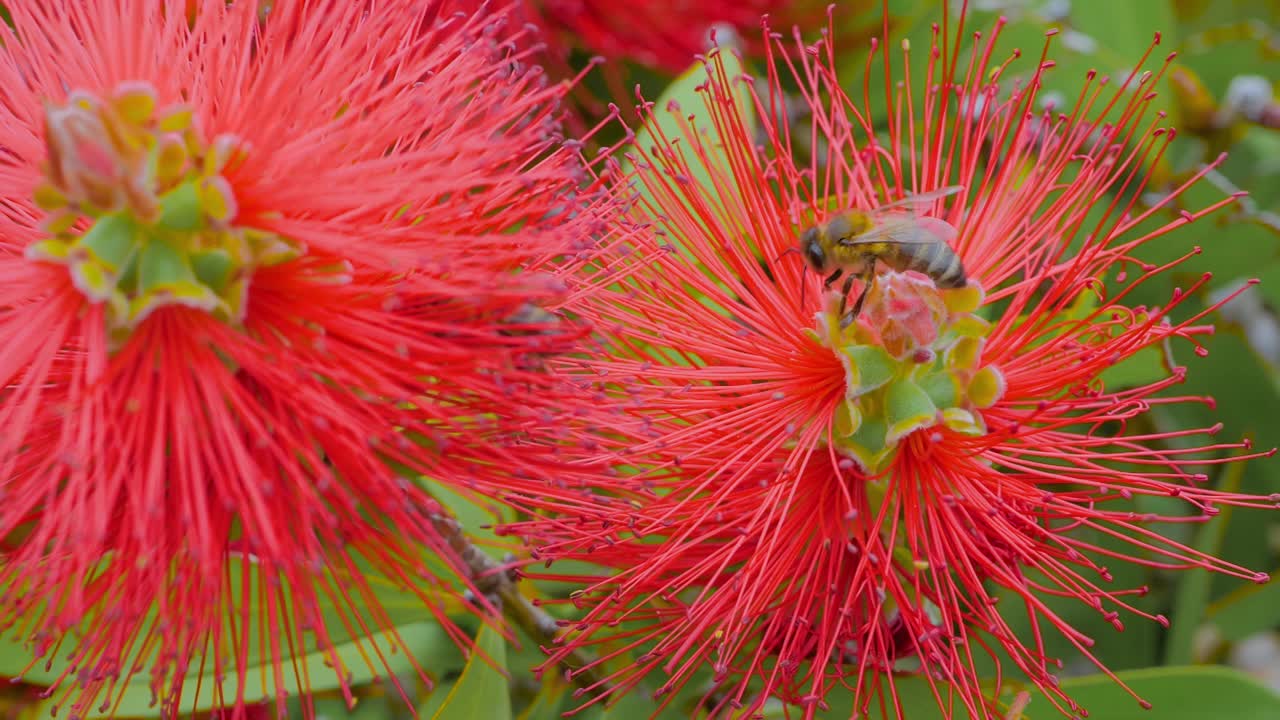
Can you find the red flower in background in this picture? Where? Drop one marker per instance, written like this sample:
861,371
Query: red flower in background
254,268
828,505
665,34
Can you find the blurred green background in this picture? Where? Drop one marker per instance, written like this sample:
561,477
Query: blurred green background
1220,657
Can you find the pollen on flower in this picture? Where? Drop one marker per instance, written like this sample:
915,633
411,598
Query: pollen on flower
912,361
140,213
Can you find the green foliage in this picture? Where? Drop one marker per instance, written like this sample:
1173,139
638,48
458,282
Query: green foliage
415,637
481,689
1175,693
1217,42
684,110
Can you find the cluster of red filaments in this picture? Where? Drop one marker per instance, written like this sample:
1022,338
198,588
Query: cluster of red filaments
265,278
828,505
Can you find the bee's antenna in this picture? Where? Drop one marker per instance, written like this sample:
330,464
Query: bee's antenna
803,286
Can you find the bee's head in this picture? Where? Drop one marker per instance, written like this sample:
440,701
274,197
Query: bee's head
844,226
811,248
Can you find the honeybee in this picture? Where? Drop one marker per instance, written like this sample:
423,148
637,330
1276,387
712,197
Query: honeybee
853,241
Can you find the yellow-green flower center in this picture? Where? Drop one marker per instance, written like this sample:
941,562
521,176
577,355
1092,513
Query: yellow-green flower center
140,212
912,361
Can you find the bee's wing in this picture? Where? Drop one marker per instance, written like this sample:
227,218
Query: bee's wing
913,200
906,231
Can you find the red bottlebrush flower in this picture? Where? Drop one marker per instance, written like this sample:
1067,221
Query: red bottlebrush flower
252,268
827,503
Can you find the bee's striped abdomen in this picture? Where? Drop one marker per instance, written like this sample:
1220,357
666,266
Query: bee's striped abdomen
939,262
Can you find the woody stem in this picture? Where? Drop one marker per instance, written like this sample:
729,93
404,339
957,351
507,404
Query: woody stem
493,580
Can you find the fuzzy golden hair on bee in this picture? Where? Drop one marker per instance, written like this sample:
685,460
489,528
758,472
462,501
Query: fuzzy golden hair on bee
852,243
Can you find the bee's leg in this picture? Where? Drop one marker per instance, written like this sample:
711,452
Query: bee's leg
831,280
867,276
845,319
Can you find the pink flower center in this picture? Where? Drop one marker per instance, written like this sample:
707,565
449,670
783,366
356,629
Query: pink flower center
140,212
913,361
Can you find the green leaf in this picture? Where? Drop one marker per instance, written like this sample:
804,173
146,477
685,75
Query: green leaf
1142,368
1192,597
679,169
1249,610
481,691
1120,32
405,609
684,108
1146,366
687,98
1176,693
632,705
1103,35
315,667
378,707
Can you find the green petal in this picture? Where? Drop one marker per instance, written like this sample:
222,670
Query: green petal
180,209
867,445
848,419
162,265
112,241
92,279
869,460
192,295
986,387
213,267
970,326
51,250
907,408
136,102
867,367
964,354
942,388
963,422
